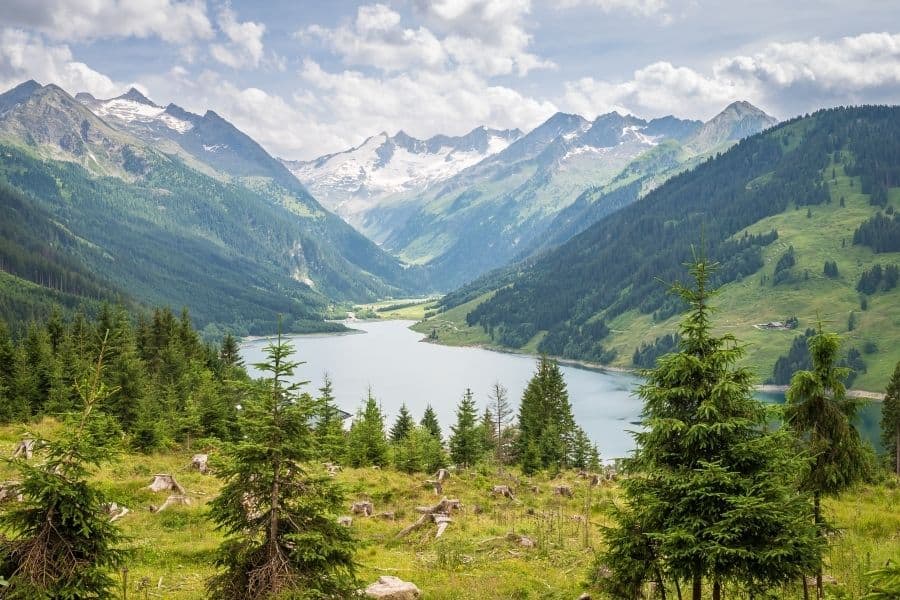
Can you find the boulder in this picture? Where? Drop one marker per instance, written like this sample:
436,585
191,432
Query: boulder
389,587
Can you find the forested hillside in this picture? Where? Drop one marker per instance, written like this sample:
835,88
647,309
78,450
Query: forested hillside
772,211
114,216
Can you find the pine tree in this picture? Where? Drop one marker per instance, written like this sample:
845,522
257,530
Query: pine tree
366,444
403,425
488,437
230,352
465,440
330,425
582,450
419,452
890,420
430,422
710,494
282,538
62,543
545,416
819,412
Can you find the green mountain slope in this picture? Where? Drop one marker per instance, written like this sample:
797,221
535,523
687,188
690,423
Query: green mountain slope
235,250
807,184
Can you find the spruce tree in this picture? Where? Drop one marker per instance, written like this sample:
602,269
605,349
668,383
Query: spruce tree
488,439
229,353
282,538
545,417
465,439
403,425
818,411
330,425
711,495
366,444
430,422
419,451
61,543
890,420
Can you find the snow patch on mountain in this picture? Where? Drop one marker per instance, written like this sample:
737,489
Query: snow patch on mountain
132,107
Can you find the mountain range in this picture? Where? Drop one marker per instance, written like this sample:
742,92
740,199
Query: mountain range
184,210
466,205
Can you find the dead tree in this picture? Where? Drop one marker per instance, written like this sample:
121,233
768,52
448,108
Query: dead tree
173,500
24,449
439,514
163,481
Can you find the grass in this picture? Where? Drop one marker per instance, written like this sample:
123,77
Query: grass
827,234
173,551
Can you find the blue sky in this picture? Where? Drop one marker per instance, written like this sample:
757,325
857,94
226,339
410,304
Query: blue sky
309,77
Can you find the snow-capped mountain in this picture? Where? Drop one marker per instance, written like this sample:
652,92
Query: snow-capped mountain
384,166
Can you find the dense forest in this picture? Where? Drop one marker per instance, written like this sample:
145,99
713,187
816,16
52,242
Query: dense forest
616,265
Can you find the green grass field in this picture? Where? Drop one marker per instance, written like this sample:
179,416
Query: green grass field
172,551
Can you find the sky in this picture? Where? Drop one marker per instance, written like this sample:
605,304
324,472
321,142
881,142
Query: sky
309,77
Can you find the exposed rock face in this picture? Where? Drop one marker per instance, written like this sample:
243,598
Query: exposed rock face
393,588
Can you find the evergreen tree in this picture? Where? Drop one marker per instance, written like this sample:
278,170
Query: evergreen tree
230,352
582,450
430,422
62,543
465,439
890,420
330,425
545,416
282,539
710,494
366,444
819,412
403,425
488,437
419,452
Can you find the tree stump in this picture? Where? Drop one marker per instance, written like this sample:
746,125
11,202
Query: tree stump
363,507
563,490
435,485
24,449
201,463
521,540
442,475
163,482
442,508
332,469
10,491
172,500
388,515
345,521
503,490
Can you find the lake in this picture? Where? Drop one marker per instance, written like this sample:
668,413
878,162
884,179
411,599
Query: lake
400,368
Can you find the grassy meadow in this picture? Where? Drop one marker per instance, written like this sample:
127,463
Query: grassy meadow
172,552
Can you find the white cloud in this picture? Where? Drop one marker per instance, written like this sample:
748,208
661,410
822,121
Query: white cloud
245,45
175,21
486,36
25,56
644,8
788,78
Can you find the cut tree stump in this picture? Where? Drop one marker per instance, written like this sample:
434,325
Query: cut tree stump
10,490
345,521
363,507
442,521
563,490
520,540
503,490
24,449
173,500
163,482
442,509
201,463
436,485
332,469
442,475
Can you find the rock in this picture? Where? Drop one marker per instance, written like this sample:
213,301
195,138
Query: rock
393,588
345,521
201,463
163,481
